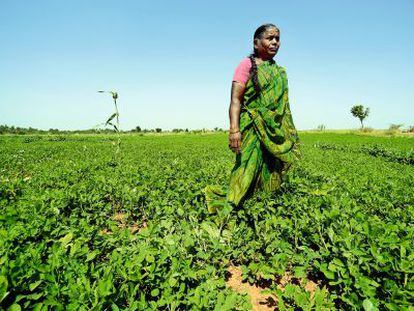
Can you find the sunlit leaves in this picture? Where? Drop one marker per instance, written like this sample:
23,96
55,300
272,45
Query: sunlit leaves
79,233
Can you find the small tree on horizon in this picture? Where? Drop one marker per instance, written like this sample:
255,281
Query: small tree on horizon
360,112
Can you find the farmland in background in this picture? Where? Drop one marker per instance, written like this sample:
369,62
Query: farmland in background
81,231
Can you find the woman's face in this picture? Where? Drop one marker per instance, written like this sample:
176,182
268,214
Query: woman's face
269,43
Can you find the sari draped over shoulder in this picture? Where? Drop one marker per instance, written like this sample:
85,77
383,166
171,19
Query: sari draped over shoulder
270,143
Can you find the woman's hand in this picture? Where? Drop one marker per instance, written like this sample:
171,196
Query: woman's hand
235,142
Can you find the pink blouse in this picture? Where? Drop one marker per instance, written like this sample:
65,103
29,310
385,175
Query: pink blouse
241,74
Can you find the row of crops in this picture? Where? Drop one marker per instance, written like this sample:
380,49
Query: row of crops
82,231
399,156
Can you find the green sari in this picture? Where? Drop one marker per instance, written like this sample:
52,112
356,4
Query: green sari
269,145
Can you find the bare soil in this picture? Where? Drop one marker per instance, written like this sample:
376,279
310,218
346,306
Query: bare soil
122,220
259,300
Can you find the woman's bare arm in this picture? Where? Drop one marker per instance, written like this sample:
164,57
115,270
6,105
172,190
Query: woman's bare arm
236,100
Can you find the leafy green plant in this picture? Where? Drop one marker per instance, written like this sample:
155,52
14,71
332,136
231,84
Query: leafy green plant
294,297
375,150
77,234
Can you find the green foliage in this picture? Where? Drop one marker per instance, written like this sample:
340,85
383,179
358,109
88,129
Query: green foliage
360,112
79,233
296,298
375,150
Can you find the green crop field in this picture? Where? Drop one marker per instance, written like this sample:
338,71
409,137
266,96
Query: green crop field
82,230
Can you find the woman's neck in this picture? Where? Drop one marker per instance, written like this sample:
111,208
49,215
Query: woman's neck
260,60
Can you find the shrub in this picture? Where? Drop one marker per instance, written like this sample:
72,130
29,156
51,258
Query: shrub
410,129
393,129
367,129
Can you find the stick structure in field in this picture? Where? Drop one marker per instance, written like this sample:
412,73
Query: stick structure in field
115,116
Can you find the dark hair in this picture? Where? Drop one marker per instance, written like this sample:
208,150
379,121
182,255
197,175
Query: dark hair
253,70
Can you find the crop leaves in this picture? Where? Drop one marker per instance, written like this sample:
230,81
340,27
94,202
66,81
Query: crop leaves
76,233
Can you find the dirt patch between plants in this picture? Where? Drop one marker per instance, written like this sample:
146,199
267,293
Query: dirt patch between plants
121,219
259,300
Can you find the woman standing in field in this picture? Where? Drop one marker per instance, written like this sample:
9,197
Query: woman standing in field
262,133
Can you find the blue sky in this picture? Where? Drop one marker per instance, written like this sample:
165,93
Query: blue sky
172,61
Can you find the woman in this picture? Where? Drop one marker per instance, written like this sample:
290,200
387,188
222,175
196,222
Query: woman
262,133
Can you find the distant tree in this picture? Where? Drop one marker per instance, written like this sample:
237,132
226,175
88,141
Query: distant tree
186,130
137,129
360,112
321,127
158,130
